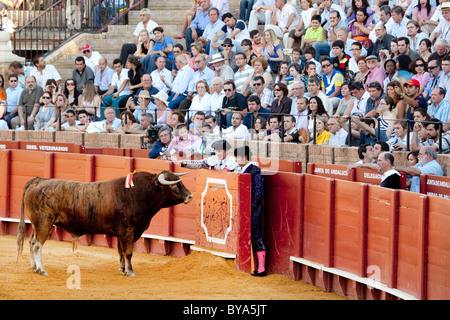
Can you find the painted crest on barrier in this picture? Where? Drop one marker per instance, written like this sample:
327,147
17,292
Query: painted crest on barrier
216,210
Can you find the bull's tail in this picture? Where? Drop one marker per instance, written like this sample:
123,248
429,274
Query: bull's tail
21,233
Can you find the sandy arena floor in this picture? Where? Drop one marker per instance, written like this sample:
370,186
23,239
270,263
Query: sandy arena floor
199,276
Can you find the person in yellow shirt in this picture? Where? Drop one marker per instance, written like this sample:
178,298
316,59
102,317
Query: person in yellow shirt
322,133
313,33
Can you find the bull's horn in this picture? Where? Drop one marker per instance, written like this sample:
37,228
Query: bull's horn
180,174
162,180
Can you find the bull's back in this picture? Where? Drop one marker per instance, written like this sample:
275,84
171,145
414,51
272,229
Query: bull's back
78,207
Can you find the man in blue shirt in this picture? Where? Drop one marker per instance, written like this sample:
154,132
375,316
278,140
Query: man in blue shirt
434,69
255,110
12,101
440,108
198,25
427,165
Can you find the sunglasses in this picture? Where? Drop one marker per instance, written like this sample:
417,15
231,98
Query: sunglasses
227,90
70,84
326,65
46,97
86,51
11,80
276,89
419,65
226,45
257,84
431,68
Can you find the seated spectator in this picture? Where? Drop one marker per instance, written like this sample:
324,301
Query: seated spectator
200,146
213,27
21,71
314,34
202,100
72,123
217,94
183,141
135,73
236,30
375,74
387,117
433,131
439,108
261,12
273,52
299,107
420,70
143,105
128,122
71,92
176,119
228,55
441,31
415,36
360,28
322,133
391,73
13,93
396,91
160,46
84,120
376,93
345,106
181,82
90,100
310,53
163,113
259,126
82,73
247,48
161,77
198,24
257,43
259,65
338,134
365,154
341,60
143,44
195,127
118,88
436,74
413,98
367,132
255,110
427,165
46,112
43,71
307,11
243,70
212,121
233,101
361,95
315,109
310,72
202,73
363,70
295,72
61,106
332,81
111,121
91,58
237,130
3,123
197,50
284,19
282,104
145,24
161,146
50,86
29,103
273,129
291,133
103,77
265,95
390,177
399,141
220,68
314,89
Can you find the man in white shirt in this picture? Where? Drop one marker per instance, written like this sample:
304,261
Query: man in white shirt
398,28
119,82
103,76
145,23
237,130
299,105
338,134
91,58
361,95
243,72
111,121
442,31
284,19
217,94
181,82
162,78
43,71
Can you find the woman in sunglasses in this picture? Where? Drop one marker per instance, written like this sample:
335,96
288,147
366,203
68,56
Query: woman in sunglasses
420,70
46,112
71,92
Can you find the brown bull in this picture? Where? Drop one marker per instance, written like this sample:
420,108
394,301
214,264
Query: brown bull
105,207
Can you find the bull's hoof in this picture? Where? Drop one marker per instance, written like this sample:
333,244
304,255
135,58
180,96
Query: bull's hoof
130,274
41,272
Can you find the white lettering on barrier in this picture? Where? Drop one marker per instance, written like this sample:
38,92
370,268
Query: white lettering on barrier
339,172
47,148
31,147
319,170
437,183
372,175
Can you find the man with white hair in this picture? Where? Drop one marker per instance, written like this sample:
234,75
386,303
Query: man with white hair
181,82
427,165
338,134
442,31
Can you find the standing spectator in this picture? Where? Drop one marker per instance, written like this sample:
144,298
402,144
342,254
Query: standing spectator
82,73
390,177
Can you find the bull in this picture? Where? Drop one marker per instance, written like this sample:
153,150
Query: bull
104,207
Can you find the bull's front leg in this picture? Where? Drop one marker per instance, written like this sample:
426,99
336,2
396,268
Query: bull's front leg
121,257
127,252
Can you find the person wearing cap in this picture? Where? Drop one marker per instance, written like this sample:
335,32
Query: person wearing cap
243,156
143,104
413,98
442,31
221,70
228,54
375,72
163,113
91,58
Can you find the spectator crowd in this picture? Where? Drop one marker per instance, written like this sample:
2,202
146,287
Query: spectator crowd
338,72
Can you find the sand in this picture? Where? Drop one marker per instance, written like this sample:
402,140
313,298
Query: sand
91,273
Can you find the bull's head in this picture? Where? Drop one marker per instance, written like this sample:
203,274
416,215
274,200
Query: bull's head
179,192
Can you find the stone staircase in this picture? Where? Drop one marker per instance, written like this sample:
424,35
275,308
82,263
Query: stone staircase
169,14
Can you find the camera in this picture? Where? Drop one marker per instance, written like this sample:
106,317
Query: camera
152,131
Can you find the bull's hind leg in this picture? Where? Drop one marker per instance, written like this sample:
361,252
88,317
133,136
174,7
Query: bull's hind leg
37,241
32,242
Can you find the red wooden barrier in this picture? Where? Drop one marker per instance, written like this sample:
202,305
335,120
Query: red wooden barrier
435,185
51,147
9,145
333,171
372,176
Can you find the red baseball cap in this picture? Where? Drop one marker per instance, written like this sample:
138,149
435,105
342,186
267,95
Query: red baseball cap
86,47
412,82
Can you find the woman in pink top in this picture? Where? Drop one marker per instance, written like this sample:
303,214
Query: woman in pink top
420,68
422,12
183,141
